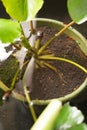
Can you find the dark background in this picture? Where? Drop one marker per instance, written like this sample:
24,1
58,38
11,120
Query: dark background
57,9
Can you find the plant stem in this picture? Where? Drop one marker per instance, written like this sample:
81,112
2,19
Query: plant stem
14,79
25,42
18,96
3,87
30,103
65,60
17,47
46,45
54,37
24,39
48,117
37,43
62,30
50,66
31,26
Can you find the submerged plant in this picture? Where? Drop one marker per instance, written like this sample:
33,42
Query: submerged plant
11,30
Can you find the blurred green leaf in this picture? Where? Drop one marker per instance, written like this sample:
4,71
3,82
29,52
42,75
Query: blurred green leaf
48,117
77,10
82,126
33,7
69,117
17,9
22,10
9,30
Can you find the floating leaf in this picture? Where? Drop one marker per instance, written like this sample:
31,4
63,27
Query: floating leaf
77,10
22,10
9,30
69,117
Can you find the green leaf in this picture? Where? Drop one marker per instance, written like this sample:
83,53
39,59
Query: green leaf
9,30
77,10
17,9
22,10
33,7
69,116
82,126
48,117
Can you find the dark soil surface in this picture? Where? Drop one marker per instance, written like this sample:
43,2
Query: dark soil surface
46,83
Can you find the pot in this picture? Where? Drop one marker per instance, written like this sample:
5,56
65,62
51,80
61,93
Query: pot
80,93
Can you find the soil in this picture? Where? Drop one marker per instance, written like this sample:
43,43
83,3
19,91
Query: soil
46,83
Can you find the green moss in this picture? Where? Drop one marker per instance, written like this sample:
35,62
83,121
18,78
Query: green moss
8,69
